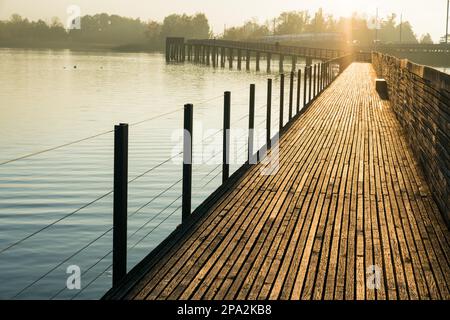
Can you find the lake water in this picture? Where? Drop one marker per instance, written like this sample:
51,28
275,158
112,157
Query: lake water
56,206
446,70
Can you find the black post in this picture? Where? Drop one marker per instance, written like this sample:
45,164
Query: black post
299,82
251,125
281,102
305,78
322,82
120,206
222,57
314,81
167,50
281,63
322,68
330,69
291,95
317,79
310,84
187,162
269,114
258,57
226,137
239,62
331,73
320,76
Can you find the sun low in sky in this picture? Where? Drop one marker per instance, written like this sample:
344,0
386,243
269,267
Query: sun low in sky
426,16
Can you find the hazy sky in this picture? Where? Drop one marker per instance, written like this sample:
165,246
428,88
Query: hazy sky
425,15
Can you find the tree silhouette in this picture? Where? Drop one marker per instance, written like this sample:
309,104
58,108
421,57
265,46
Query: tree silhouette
115,31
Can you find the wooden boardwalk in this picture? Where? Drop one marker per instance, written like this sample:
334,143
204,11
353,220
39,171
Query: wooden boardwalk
348,195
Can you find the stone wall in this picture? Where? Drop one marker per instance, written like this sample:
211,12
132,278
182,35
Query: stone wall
420,98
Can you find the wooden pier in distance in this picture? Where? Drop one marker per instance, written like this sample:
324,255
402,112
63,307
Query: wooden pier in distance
348,198
218,52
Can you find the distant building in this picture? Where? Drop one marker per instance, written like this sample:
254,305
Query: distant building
306,37
443,39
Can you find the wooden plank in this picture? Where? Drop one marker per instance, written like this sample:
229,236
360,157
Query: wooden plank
269,282
319,252
229,261
313,148
348,195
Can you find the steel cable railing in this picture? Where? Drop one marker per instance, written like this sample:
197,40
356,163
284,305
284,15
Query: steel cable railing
130,215
212,174
105,194
94,201
130,249
110,252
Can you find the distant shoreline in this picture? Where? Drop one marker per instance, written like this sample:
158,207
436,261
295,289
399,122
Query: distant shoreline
76,46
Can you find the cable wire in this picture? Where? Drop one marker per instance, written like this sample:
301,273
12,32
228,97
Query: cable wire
61,263
83,273
54,222
55,148
170,215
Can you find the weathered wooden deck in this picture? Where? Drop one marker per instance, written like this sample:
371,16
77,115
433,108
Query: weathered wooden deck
348,195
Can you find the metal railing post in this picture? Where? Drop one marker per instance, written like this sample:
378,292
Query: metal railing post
251,125
187,162
269,114
291,95
314,81
226,137
299,82
310,85
281,102
120,203
305,78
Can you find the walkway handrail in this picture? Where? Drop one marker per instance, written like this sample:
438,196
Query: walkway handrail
271,48
317,78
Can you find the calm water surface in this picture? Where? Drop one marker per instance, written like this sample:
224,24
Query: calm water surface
56,206
446,70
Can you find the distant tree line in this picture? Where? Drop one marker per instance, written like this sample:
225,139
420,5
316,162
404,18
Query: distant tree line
116,31
355,28
103,30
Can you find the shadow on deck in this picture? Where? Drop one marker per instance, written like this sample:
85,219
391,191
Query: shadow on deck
348,202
